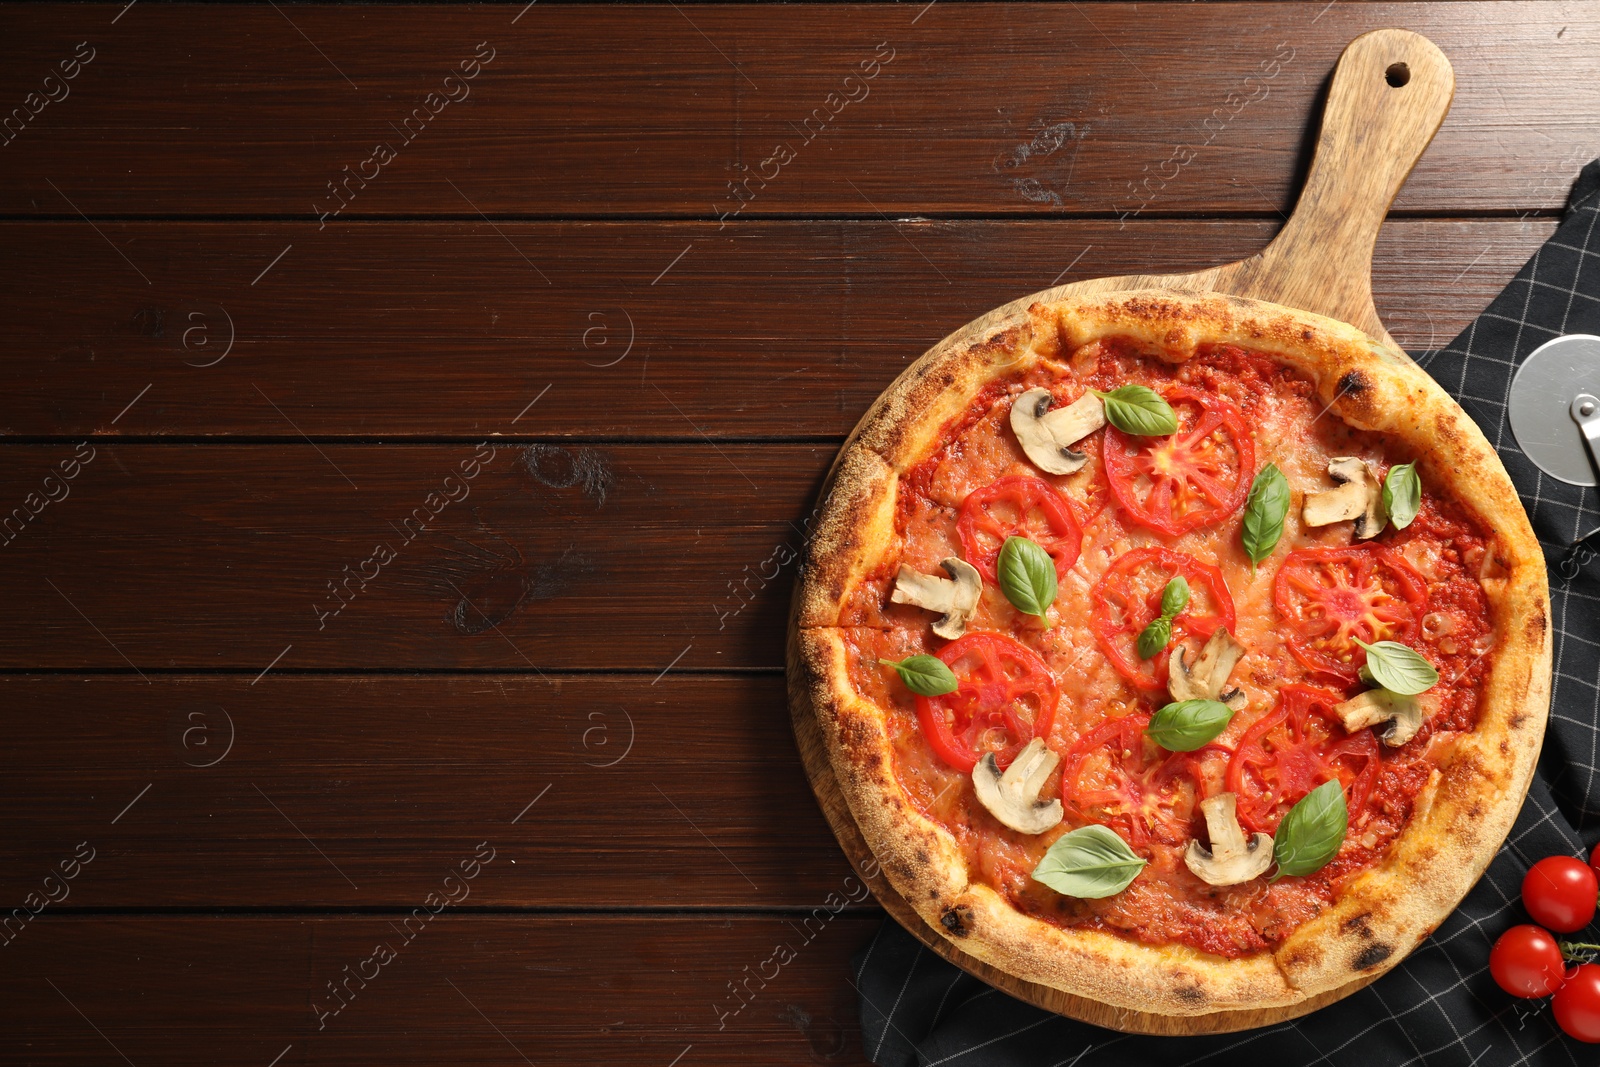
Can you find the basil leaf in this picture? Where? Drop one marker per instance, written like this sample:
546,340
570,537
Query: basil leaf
1139,410
1398,669
1155,637
1402,494
1310,835
1027,575
1175,597
1264,510
1090,862
924,675
1188,724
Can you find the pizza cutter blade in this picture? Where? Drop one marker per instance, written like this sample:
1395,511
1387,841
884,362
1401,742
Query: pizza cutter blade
1553,409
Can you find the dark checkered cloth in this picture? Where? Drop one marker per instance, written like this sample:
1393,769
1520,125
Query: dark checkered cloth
1439,1007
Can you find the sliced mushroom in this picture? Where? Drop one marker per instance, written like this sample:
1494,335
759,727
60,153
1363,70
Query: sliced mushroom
1232,858
955,597
1404,714
1013,797
1359,496
1048,436
1207,678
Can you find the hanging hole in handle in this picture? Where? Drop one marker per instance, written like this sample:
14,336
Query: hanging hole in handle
1397,75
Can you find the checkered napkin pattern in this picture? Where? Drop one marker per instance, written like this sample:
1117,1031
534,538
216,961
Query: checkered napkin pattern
1439,1007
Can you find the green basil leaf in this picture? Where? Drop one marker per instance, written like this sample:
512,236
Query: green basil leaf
1399,669
1027,575
1139,410
1402,494
924,675
1264,510
1310,835
1188,724
1090,862
1155,637
1175,597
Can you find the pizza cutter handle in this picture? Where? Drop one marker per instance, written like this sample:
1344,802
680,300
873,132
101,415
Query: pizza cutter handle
1389,94
1585,411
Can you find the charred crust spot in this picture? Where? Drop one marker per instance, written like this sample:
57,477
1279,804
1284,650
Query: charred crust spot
1475,812
1305,333
1304,955
1372,955
1353,383
1536,623
1190,995
958,920
1358,924
1516,724
922,856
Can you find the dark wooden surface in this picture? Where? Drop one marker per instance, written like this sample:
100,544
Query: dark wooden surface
595,627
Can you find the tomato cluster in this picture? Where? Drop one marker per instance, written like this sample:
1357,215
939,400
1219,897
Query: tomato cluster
1560,893
1330,598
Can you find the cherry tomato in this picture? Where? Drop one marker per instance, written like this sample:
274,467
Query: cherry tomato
1577,1004
1128,596
1005,697
1294,748
1188,479
1560,893
1594,859
1526,962
1331,596
1019,506
1116,775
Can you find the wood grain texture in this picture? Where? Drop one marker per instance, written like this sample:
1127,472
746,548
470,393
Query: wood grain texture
1035,109
597,557
1008,145
767,329
680,793
465,990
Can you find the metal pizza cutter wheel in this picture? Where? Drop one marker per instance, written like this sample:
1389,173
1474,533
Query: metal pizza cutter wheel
1554,410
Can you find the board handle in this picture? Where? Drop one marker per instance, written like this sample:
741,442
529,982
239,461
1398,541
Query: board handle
1390,92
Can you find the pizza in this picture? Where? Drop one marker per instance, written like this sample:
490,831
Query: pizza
1181,652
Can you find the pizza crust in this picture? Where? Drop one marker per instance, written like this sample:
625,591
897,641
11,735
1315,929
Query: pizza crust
1461,817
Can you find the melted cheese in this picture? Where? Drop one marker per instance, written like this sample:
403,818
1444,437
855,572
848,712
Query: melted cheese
1291,429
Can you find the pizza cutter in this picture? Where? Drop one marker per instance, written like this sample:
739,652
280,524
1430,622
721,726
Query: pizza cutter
1554,410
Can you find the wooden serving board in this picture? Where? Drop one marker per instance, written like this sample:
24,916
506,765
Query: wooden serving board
1389,93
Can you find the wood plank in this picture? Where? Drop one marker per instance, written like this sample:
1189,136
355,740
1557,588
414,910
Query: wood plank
1030,110
464,990
768,329
597,790
224,556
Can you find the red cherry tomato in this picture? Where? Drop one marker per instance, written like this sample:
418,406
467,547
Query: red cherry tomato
1128,596
1328,596
1182,481
1526,962
1005,697
1594,860
1577,1004
1560,893
1020,506
1294,748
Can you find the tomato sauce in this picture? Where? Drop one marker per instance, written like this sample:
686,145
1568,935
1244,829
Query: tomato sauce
1117,776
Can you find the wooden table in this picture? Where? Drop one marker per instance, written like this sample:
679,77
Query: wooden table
397,539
